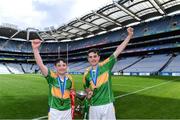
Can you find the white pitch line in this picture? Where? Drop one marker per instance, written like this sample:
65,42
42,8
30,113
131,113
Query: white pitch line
43,117
127,85
144,89
120,96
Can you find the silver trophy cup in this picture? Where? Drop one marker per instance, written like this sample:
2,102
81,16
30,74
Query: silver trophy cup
80,108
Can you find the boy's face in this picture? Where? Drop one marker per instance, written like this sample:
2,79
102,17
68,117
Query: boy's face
61,67
93,58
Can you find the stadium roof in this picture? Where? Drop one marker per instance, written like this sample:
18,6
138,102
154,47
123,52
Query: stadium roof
118,14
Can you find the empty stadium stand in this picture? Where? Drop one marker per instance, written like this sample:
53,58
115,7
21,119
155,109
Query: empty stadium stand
154,49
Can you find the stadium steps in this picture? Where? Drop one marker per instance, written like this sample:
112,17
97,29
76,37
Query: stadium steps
132,64
82,67
167,63
31,66
76,65
22,68
8,68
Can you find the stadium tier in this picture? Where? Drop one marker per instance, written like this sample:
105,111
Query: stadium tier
148,65
155,29
154,50
17,68
173,68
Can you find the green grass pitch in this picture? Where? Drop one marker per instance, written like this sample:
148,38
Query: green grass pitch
155,97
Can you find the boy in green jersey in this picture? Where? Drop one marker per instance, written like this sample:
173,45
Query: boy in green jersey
97,82
61,85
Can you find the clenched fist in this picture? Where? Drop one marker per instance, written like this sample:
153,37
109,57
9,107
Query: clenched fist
130,31
36,43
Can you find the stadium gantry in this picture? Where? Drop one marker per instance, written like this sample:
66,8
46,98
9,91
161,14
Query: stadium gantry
117,15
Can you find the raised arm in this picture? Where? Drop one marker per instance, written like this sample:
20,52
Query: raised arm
35,46
123,45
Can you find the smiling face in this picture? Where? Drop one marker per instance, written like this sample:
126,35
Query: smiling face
61,67
93,58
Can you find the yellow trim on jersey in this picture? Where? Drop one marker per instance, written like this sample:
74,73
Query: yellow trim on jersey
57,93
104,62
102,79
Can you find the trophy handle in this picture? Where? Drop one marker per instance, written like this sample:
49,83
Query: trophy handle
72,96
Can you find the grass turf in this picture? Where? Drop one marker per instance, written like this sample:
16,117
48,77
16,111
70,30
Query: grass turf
25,96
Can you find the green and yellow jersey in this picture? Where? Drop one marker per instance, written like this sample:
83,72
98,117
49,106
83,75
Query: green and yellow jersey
55,98
102,91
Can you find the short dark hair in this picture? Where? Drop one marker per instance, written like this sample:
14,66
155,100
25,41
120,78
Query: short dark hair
60,59
94,50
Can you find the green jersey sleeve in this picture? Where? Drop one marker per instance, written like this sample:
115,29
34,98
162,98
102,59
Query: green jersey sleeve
50,76
109,62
